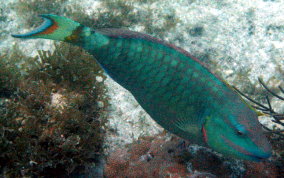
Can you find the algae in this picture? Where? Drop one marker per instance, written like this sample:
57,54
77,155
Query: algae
50,117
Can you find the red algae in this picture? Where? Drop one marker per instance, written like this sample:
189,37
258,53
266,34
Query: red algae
159,156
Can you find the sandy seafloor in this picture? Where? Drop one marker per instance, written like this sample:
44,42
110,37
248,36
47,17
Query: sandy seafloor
242,38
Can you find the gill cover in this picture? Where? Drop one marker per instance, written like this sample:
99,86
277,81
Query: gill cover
234,140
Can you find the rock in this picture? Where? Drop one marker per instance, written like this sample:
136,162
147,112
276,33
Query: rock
261,170
159,156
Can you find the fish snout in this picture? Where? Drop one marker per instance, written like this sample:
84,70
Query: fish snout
260,156
263,152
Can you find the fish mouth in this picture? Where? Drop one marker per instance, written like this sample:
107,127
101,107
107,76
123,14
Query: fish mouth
256,156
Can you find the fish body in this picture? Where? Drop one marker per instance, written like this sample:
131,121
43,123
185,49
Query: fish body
177,90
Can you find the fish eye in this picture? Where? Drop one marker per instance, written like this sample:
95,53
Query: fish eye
240,130
240,133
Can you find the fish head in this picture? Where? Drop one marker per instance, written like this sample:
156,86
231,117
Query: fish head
237,135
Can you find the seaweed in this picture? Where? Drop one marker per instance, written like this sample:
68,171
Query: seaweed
7,73
52,117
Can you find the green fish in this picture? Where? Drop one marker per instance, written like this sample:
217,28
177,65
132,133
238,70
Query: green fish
177,90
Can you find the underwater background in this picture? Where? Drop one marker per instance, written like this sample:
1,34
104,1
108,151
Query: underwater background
61,116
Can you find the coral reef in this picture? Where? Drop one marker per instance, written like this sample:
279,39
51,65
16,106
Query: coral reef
52,110
160,156
239,40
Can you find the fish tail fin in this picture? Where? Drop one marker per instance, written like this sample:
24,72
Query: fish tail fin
54,27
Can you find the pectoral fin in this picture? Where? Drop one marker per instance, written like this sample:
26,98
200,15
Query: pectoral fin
185,125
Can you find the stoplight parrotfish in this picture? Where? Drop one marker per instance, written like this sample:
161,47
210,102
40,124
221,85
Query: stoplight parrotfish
177,90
